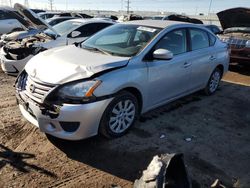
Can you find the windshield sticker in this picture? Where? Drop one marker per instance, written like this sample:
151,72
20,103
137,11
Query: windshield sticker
141,28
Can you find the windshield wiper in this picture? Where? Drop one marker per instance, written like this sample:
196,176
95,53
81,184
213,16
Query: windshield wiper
96,49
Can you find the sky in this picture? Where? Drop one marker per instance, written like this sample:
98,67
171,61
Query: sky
178,6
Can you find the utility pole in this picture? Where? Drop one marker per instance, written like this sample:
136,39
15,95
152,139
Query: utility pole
209,10
51,4
128,6
26,3
210,5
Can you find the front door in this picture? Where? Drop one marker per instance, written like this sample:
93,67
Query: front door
169,79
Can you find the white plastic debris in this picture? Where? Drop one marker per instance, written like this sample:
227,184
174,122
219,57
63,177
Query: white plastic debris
153,169
188,139
162,136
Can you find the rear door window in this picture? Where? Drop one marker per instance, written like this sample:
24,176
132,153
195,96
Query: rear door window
92,28
1,15
4,15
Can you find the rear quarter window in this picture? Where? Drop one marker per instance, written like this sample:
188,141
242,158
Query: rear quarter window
212,39
199,39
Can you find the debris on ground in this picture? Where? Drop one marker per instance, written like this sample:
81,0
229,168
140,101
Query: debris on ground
167,171
217,184
162,136
188,139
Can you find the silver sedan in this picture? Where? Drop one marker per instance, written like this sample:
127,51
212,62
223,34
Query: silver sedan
105,83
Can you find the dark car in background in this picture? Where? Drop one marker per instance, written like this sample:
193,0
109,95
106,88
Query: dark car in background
214,28
182,18
236,32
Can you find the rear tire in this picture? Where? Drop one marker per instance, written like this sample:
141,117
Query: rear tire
119,116
213,82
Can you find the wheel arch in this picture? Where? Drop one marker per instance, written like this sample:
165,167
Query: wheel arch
137,93
221,67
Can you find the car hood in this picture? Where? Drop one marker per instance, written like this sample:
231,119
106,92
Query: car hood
236,17
65,64
18,35
32,17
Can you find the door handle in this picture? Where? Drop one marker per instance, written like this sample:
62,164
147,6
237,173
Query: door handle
212,58
187,64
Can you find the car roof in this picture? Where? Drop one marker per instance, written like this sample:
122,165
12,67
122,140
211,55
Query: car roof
62,17
155,23
42,13
90,20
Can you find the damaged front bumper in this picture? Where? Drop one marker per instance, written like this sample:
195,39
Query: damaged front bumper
12,67
72,121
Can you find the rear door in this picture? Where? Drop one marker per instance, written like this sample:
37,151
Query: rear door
169,79
201,57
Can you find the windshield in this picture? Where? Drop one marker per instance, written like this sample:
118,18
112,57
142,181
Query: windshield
64,28
237,30
121,39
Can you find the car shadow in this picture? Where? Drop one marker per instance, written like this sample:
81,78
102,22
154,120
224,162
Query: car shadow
93,152
241,69
133,152
123,163
17,160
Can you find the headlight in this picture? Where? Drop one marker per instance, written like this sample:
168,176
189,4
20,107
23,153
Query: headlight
248,44
82,89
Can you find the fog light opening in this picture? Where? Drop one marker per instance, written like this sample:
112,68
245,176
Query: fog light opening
70,126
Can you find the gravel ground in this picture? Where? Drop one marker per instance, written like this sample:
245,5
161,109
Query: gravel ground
218,126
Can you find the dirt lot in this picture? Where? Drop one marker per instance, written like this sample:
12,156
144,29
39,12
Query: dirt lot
218,125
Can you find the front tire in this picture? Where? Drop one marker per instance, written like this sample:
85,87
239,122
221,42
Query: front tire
213,82
119,116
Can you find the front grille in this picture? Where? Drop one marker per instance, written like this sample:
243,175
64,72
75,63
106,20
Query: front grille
37,90
235,43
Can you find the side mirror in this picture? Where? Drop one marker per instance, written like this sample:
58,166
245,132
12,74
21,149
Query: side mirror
163,54
75,34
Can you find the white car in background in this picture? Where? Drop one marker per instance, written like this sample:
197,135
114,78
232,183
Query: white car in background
15,54
10,20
